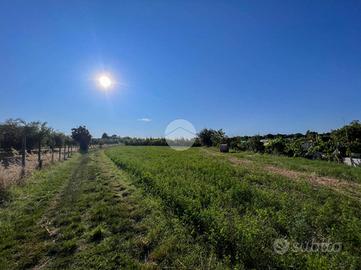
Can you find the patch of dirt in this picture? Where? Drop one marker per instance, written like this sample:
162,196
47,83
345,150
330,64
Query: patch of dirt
232,159
235,160
348,188
315,179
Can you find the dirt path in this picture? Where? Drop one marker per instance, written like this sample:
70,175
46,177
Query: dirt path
80,215
23,236
350,189
92,207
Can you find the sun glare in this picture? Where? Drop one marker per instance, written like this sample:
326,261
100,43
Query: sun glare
105,82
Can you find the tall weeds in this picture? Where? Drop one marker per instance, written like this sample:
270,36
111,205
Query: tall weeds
13,173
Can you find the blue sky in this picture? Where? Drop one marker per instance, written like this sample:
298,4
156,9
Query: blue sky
245,66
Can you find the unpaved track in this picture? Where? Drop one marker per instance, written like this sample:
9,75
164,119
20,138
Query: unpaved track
347,188
91,203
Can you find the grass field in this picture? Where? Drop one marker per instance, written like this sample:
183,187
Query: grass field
155,208
320,167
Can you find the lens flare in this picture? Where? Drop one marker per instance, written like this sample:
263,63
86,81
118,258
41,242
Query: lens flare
105,82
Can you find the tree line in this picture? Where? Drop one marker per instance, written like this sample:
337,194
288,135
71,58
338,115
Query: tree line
342,142
22,136
114,139
345,141
333,145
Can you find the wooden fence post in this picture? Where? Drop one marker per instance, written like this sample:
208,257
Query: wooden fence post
52,154
64,152
40,162
23,155
59,153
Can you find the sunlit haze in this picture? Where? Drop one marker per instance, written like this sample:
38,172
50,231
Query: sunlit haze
105,82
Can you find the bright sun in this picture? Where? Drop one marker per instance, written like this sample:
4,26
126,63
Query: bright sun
105,81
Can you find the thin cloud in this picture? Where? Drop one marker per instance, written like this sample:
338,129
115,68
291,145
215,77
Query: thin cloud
145,119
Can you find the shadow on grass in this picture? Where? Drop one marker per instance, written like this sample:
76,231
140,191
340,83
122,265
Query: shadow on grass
5,196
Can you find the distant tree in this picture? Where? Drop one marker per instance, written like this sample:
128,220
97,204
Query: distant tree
311,135
218,137
255,144
105,136
348,138
11,132
276,146
294,148
197,142
42,136
269,136
211,137
58,139
298,135
205,137
233,142
82,136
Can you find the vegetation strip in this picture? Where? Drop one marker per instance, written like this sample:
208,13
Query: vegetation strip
348,188
21,236
238,212
155,208
94,218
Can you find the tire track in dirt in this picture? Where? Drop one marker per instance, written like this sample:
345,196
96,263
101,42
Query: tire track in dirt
92,179
347,188
28,238
133,213
67,194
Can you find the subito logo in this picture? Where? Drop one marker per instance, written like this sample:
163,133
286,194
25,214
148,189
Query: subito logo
281,246
180,134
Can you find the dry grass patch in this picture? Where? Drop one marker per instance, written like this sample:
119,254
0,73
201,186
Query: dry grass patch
13,172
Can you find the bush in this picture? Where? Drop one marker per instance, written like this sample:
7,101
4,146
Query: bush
276,146
82,136
255,144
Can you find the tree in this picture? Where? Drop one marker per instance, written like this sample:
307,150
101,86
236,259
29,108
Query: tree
276,146
11,133
82,136
311,135
255,144
42,134
105,136
218,137
58,139
205,137
349,138
211,137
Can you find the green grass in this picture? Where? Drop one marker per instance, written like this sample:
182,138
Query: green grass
20,230
320,167
238,211
85,214
155,208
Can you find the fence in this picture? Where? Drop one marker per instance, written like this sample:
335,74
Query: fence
14,166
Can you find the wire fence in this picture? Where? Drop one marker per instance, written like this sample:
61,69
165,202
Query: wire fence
14,167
